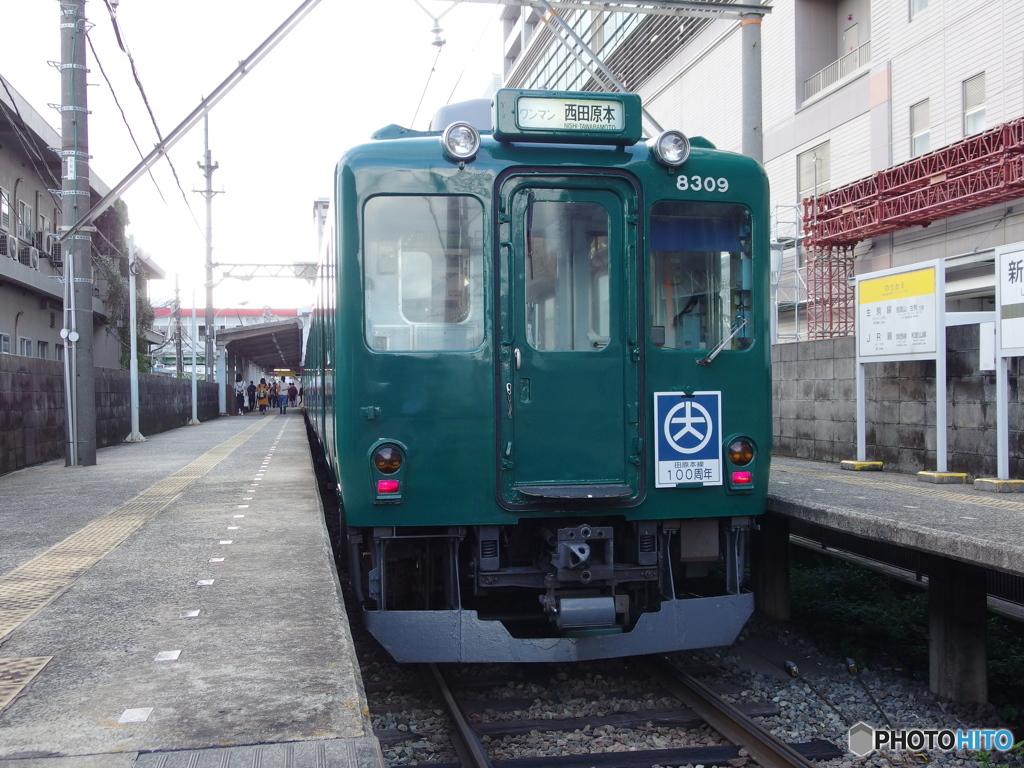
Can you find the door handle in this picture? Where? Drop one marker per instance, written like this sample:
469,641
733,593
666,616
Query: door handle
519,357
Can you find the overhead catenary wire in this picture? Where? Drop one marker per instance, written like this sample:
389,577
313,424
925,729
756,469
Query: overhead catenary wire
426,85
206,104
30,149
124,117
149,109
476,45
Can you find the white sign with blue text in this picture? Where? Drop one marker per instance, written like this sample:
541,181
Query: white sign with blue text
688,441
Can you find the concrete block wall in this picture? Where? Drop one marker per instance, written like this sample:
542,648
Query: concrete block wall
32,408
815,406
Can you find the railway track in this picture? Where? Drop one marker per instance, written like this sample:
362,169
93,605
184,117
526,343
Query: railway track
471,734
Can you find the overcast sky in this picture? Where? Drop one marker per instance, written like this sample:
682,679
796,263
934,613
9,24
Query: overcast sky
350,67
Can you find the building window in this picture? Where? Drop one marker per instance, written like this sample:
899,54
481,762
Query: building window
974,105
920,129
5,211
814,169
25,221
5,343
58,353
24,346
916,6
43,350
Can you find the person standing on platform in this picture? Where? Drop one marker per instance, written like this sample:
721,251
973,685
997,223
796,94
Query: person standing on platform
293,394
239,394
251,390
263,395
282,396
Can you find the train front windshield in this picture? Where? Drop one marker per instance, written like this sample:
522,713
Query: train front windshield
701,272
423,273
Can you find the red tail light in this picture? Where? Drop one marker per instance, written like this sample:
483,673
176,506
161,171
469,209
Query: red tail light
388,486
738,478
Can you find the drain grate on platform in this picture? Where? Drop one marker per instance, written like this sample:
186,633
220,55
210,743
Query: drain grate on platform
15,674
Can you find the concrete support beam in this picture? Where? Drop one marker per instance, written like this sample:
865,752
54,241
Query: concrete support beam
769,566
957,630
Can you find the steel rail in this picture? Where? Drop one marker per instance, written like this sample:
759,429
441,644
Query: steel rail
464,739
764,747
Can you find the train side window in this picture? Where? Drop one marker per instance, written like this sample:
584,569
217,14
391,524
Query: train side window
567,279
701,278
423,273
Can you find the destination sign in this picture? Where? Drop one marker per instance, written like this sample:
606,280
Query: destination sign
570,114
567,117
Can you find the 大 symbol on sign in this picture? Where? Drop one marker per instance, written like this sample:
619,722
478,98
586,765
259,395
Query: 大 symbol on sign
688,427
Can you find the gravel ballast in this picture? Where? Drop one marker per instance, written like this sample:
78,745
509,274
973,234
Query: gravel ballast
820,703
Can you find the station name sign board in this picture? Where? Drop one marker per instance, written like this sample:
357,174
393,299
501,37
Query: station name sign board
1010,292
896,314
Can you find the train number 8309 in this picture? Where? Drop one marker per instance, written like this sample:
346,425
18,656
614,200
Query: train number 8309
705,183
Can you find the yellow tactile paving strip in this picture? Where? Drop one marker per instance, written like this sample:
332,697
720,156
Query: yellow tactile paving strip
31,586
15,674
877,481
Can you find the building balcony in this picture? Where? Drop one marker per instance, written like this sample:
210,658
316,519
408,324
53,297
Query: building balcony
837,70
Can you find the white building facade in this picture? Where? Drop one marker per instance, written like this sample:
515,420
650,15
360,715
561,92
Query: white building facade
849,88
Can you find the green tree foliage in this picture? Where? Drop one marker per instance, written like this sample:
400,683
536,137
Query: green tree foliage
110,261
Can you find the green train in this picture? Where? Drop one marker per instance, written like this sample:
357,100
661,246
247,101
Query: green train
539,368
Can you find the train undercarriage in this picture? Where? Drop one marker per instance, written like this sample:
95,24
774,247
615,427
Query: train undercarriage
553,589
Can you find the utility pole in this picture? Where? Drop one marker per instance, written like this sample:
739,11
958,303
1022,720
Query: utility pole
133,270
75,203
179,359
208,167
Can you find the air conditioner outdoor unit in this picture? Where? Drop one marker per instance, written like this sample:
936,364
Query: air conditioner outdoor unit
40,241
29,256
56,252
7,248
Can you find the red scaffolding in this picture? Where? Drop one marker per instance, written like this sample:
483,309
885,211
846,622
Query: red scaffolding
973,173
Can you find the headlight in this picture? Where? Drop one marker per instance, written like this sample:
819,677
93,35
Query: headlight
461,141
387,459
670,148
741,452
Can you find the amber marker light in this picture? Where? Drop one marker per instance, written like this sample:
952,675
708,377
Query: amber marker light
388,460
738,478
741,453
387,486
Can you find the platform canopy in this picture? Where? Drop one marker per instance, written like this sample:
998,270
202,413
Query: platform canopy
268,345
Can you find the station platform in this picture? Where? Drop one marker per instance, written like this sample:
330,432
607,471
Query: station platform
177,605
955,521
966,546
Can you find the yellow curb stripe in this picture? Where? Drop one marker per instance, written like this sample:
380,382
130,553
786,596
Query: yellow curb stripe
31,586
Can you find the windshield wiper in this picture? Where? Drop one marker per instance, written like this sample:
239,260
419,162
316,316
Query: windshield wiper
706,360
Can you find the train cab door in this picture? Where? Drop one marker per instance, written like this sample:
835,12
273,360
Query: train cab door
569,356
